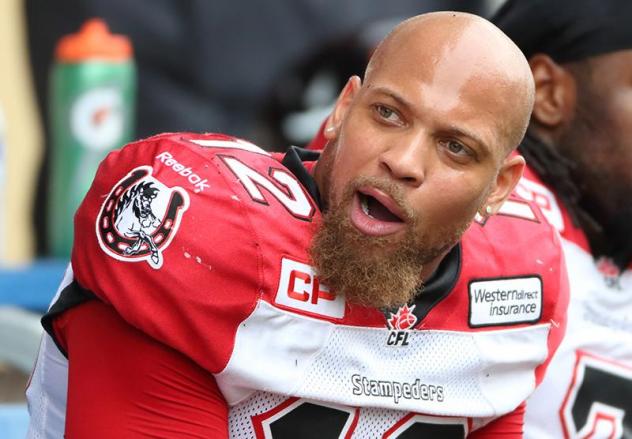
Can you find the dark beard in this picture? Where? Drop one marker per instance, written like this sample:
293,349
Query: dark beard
619,238
604,196
380,272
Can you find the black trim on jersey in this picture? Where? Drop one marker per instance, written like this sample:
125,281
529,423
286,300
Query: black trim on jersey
439,285
437,288
71,296
293,160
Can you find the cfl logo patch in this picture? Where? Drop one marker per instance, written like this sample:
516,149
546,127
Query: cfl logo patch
397,338
400,323
300,290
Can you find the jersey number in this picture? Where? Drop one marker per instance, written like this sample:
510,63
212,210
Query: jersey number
599,400
280,184
297,418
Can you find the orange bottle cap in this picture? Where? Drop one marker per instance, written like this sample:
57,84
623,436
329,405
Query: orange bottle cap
93,41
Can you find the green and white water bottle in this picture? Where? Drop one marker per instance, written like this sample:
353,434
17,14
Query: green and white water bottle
92,108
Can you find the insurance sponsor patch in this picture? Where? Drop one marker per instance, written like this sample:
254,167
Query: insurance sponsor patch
505,301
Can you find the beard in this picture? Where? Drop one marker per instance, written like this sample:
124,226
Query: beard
601,172
380,272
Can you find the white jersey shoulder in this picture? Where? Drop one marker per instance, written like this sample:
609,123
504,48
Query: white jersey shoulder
587,391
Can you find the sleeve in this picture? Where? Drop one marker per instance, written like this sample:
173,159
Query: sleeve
163,237
125,384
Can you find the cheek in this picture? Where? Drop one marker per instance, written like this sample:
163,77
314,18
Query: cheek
336,191
452,204
341,176
621,120
354,157
621,112
606,153
360,140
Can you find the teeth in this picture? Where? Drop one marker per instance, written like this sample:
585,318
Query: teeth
364,203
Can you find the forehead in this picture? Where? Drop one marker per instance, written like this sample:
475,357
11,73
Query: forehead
453,80
612,68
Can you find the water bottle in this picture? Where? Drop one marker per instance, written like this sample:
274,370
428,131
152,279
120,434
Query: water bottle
92,102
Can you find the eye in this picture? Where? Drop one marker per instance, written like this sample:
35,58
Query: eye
387,114
455,147
457,150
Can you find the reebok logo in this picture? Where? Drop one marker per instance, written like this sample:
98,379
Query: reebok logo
197,181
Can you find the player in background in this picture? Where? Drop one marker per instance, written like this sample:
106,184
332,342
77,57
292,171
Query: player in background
579,155
227,306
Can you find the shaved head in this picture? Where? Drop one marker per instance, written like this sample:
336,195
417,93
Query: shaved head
466,50
415,151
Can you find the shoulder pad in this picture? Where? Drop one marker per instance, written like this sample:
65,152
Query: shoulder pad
172,233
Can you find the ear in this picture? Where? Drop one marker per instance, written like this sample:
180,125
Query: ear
506,180
334,122
555,92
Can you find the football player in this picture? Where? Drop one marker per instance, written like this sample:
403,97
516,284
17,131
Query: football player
579,152
388,288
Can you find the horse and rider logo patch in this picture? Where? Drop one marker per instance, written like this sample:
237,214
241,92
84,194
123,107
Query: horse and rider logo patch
140,217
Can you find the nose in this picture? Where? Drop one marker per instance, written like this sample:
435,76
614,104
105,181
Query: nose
405,160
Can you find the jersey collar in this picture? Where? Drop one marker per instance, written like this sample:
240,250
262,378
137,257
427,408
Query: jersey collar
293,160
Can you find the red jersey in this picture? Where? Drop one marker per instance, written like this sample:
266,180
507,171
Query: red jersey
200,242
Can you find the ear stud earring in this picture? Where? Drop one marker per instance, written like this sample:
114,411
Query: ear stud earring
488,210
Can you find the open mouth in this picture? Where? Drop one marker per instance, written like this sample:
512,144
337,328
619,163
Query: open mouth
375,213
373,208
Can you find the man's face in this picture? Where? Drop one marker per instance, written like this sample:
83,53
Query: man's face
417,154
599,139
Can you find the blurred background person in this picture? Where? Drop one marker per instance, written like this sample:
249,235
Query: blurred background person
579,150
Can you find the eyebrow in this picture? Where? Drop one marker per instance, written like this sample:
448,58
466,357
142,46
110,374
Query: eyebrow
400,100
452,129
459,132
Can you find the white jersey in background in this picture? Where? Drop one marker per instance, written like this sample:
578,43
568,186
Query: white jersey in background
587,391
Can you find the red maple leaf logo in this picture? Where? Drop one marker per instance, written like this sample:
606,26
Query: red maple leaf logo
403,318
610,272
607,267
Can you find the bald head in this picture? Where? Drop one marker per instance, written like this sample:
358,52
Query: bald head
469,60
445,97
